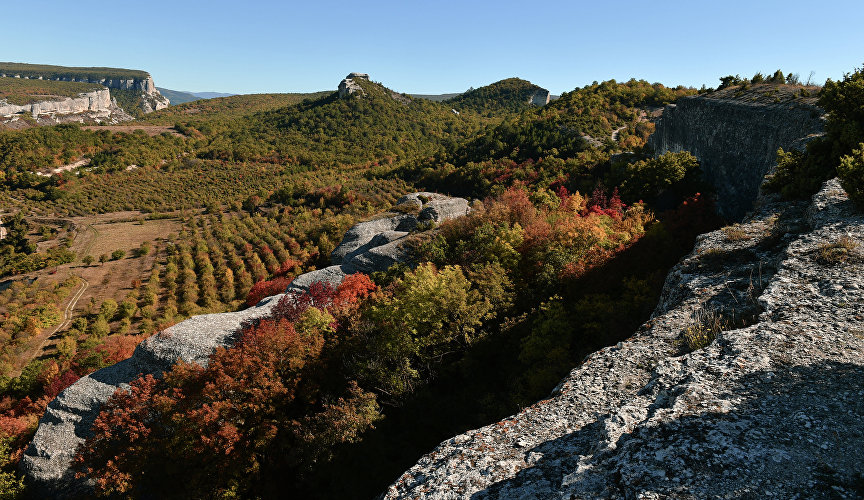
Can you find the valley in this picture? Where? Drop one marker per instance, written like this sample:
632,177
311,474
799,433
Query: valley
164,245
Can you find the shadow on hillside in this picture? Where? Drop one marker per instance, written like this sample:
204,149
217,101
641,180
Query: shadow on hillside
798,428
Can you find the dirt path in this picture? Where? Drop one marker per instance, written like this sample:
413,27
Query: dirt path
616,131
45,341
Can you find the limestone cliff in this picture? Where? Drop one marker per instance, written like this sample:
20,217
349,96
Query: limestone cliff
735,135
139,82
98,101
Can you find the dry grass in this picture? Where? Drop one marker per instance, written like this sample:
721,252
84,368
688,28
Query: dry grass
838,252
707,323
736,232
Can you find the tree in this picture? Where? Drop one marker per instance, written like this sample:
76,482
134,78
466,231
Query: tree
87,260
108,308
118,254
103,258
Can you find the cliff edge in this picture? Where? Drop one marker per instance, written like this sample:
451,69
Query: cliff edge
735,134
771,409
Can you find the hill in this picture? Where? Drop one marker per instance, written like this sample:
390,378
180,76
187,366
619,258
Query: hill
437,97
211,95
177,97
49,72
219,108
506,96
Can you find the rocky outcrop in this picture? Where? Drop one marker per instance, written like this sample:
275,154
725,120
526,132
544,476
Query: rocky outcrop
368,246
97,103
735,135
348,86
151,99
540,98
67,420
377,244
771,409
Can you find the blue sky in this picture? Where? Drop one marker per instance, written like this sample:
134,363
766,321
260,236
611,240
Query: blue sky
436,47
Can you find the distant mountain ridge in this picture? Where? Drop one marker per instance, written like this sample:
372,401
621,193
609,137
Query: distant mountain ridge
183,96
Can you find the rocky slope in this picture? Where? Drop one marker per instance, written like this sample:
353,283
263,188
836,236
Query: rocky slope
735,134
368,246
771,409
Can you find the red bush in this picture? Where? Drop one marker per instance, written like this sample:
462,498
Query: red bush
264,289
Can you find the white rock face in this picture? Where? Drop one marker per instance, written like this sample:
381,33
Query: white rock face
771,410
96,101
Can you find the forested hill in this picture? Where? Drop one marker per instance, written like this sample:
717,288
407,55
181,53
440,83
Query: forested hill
506,96
568,140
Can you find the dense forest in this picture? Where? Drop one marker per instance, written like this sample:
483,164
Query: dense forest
565,251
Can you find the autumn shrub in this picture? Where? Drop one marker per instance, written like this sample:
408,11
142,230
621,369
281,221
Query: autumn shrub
264,289
261,404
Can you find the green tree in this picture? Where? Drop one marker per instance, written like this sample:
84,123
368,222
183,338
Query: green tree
108,308
87,260
118,254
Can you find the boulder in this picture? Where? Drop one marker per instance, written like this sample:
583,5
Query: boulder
361,234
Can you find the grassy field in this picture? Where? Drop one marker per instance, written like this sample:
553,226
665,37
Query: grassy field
20,91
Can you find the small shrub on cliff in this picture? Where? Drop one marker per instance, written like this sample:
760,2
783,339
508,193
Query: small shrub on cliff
851,173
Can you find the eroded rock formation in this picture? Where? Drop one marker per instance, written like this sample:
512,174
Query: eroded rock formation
377,244
772,409
97,103
735,135
368,246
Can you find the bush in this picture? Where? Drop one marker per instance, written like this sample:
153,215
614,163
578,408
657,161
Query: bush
851,173
118,254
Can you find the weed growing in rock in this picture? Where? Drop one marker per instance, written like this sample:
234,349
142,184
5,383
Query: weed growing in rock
707,323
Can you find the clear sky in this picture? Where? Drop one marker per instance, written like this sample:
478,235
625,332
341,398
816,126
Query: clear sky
436,46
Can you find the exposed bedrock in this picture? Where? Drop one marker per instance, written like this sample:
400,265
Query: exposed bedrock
771,409
96,101
735,140
367,247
